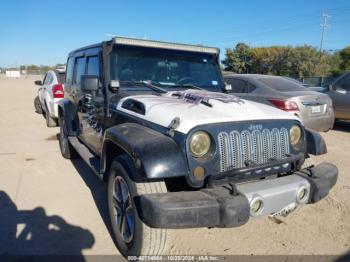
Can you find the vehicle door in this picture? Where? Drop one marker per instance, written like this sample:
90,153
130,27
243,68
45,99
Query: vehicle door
92,108
340,95
40,91
76,94
45,89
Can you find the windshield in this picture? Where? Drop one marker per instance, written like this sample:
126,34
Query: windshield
165,68
282,84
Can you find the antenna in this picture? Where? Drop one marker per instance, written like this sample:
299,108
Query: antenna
324,27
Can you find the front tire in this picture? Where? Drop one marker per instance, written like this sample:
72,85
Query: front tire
132,236
67,150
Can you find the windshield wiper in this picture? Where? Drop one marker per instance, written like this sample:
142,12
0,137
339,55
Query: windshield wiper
191,86
147,84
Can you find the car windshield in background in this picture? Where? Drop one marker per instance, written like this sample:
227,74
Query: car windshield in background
168,69
61,77
282,84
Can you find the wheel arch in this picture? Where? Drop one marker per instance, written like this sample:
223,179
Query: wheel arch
154,155
315,143
67,111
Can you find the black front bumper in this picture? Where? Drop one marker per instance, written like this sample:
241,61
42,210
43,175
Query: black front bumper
219,206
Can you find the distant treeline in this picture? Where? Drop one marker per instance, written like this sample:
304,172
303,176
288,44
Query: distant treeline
34,69
300,61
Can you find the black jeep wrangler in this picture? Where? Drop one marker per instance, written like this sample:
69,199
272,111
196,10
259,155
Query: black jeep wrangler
153,120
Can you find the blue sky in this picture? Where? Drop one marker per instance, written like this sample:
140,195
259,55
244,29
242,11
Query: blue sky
43,32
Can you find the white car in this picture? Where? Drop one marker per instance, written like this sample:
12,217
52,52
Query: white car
51,91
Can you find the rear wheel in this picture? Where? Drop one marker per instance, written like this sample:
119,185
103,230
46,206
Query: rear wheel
67,150
132,236
37,105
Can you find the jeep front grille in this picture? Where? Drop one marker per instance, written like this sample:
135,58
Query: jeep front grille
237,148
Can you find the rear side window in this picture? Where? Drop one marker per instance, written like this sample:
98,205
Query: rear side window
79,69
251,88
344,83
70,67
282,84
238,86
93,66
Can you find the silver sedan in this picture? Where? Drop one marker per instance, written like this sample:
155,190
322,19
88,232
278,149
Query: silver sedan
339,91
314,109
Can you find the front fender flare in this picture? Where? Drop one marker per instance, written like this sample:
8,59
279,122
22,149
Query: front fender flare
315,143
155,155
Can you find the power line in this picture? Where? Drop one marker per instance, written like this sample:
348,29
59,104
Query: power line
324,27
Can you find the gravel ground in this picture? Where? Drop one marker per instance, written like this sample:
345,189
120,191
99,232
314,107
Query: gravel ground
50,205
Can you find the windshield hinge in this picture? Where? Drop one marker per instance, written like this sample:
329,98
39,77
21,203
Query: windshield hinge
173,126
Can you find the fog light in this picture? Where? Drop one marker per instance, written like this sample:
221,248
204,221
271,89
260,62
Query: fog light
199,173
302,195
256,207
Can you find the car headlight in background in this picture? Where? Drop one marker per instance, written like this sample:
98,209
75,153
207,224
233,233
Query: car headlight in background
199,143
295,135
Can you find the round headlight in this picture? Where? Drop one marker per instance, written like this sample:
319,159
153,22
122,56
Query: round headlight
199,144
295,135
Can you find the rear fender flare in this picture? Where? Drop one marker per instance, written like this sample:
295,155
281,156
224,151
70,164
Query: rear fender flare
67,111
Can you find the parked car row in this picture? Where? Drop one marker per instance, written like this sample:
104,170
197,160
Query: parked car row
339,91
313,108
51,91
177,149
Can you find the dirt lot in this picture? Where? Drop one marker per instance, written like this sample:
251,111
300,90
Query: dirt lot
50,205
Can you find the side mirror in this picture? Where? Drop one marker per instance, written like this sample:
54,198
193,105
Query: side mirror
38,82
228,88
89,83
331,87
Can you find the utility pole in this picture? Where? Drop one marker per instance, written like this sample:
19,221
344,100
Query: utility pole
324,27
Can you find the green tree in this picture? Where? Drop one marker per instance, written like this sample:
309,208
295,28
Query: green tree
238,60
344,56
297,61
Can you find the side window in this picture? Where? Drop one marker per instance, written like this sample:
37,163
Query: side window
238,86
50,78
344,83
45,79
251,88
93,66
70,67
79,69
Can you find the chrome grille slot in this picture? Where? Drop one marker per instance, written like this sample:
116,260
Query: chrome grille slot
225,159
236,148
258,146
246,146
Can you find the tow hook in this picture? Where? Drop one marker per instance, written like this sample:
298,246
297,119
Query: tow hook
233,189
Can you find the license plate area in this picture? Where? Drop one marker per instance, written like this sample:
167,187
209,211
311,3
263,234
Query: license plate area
315,109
